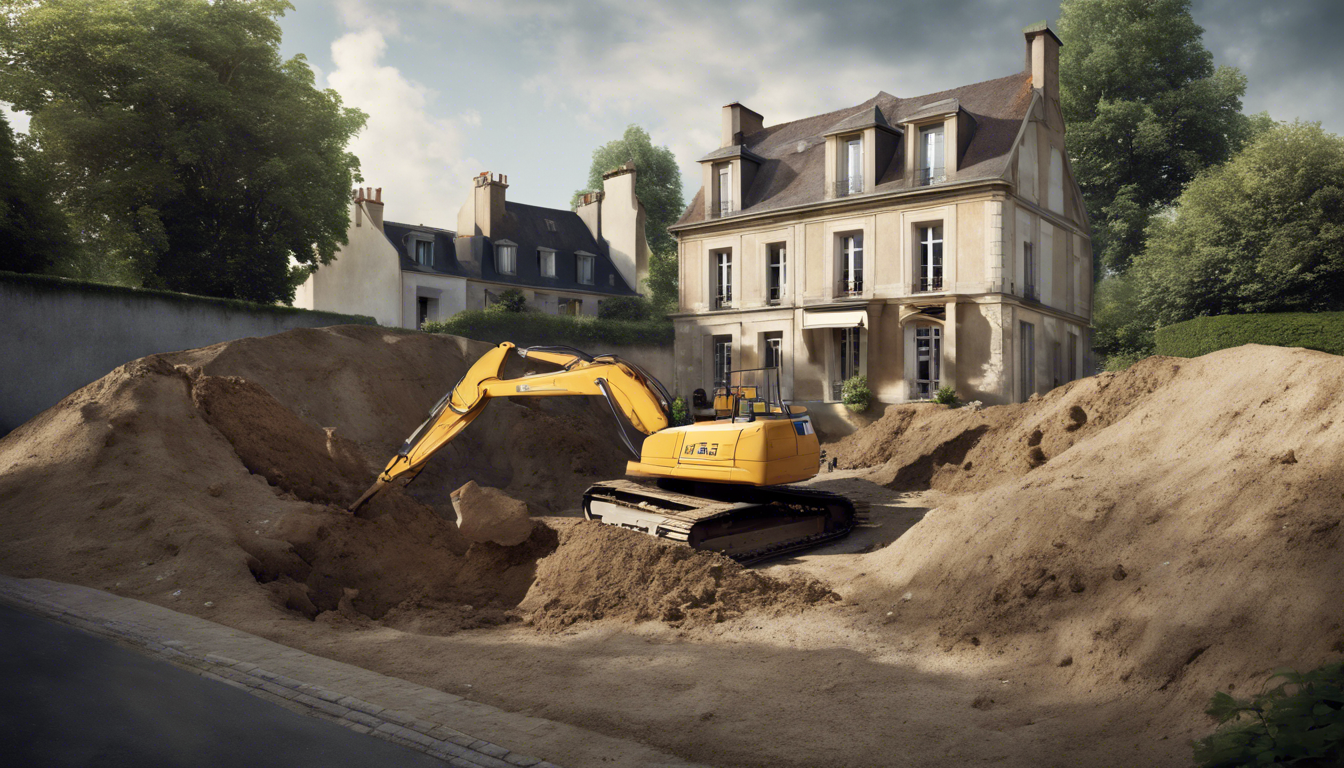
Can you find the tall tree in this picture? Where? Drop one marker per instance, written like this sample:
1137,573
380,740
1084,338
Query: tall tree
658,184
1146,111
1262,233
33,233
179,139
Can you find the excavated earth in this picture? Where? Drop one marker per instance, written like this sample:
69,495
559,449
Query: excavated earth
1059,582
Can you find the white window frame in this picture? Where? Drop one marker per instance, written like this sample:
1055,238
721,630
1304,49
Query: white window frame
931,357
416,244
725,201
776,272
722,349
850,258
1027,358
546,261
506,257
852,181
932,154
930,263
773,356
1029,271
585,266
723,279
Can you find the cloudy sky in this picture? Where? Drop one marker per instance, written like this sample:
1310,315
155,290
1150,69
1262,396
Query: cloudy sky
530,87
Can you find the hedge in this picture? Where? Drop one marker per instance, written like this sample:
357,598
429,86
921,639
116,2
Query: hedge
1322,331
53,283
528,329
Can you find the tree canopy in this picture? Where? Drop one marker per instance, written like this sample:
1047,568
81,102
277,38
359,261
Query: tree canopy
180,142
1262,233
658,184
1146,111
33,234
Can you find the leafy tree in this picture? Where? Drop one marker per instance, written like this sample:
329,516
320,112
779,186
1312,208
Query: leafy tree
625,308
509,300
1262,233
33,233
180,141
658,184
1146,111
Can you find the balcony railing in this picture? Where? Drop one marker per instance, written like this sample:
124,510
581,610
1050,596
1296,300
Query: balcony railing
926,176
774,294
1030,293
723,301
849,287
923,390
724,208
851,186
927,284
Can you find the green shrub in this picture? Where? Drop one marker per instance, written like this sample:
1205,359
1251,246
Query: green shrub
625,308
1301,720
946,396
681,414
528,329
1323,331
509,300
1122,360
854,393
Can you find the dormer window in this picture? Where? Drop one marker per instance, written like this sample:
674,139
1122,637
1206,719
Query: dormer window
584,267
546,261
424,252
725,177
932,165
506,257
851,171
550,225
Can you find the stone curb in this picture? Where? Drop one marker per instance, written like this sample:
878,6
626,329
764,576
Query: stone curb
435,739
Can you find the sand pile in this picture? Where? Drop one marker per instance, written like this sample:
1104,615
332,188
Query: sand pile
1187,533
604,572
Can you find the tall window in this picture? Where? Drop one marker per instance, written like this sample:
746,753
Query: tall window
928,361
1057,363
1072,372
1029,271
851,180
421,311
777,275
723,279
1027,362
774,346
851,265
725,189
931,258
424,252
931,168
723,359
584,268
849,357
506,259
546,260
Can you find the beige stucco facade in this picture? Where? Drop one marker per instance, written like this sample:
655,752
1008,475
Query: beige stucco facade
998,334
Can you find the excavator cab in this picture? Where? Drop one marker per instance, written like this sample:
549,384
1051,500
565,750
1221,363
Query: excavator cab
750,394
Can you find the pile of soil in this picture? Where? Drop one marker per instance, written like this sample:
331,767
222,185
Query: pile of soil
1175,525
215,481
605,572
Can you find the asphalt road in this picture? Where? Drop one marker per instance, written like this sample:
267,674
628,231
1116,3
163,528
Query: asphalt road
72,699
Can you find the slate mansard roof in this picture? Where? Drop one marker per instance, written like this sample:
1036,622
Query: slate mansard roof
525,226
792,155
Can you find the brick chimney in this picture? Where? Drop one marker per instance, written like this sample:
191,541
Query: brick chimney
483,211
1043,59
738,121
370,200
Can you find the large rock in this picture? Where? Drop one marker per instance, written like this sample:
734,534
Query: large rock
489,515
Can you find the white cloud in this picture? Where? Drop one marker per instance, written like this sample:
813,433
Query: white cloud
409,150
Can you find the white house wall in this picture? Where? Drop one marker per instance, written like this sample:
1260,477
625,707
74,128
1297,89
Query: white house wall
364,278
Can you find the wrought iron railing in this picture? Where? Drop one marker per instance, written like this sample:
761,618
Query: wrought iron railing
1030,293
851,186
926,176
849,287
723,301
923,390
723,208
927,284
774,294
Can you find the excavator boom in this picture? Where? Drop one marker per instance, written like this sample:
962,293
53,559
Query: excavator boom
716,480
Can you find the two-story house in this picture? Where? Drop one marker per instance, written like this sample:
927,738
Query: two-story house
564,262
931,241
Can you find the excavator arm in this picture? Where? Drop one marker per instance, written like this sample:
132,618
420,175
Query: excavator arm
628,391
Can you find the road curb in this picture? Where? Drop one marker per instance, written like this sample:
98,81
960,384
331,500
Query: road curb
436,739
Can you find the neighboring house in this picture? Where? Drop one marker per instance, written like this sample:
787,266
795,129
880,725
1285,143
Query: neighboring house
924,242
564,262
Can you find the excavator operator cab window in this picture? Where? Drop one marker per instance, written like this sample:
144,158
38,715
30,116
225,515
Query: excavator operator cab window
750,394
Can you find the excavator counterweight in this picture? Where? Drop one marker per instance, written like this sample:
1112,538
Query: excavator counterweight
718,485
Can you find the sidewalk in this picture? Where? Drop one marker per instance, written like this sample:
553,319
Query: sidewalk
431,721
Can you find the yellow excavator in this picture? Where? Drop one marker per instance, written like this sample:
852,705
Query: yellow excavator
719,485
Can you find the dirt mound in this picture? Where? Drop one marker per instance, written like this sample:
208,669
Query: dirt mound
1186,532
187,480
604,572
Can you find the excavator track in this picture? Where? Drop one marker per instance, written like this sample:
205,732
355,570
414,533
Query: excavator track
746,523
